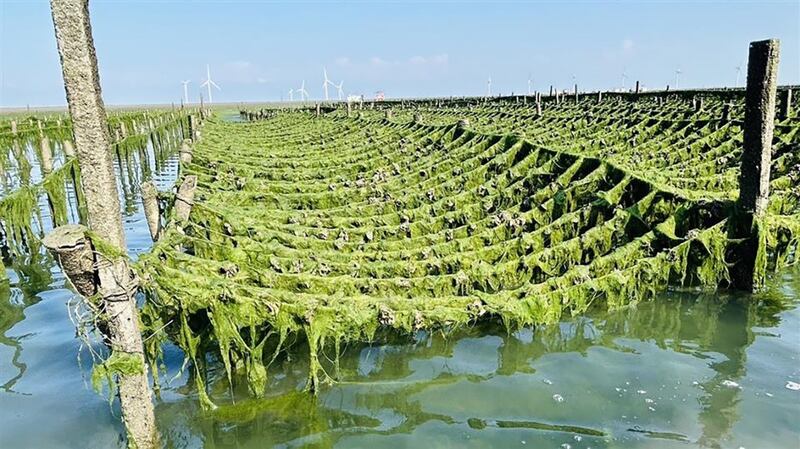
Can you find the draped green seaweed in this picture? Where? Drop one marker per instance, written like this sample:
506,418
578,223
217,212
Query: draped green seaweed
336,227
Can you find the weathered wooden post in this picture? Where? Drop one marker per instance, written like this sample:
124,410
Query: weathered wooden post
576,93
152,212
111,278
551,90
600,96
637,88
350,109
750,267
726,112
13,127
786,104
388,114
538,108
418,118
318,109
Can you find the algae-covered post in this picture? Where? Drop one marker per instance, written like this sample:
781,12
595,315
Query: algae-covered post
111,275
759,116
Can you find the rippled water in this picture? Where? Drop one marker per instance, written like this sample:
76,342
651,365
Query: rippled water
685,370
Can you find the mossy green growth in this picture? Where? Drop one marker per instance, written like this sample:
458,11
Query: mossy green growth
330,229
119,363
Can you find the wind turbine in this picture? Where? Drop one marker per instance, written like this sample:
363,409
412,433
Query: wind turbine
185,91
489,87
291,94
677,74
326,83
529,84
339,89
624,77
209,83
303,91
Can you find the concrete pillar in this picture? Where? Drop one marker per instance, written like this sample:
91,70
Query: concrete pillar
186,152
185,198
114,282
726,112
152,212
759,115
786,104
69,149
47,155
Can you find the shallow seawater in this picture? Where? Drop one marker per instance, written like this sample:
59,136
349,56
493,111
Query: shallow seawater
689,369
686,370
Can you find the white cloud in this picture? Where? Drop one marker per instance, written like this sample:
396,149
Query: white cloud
342,61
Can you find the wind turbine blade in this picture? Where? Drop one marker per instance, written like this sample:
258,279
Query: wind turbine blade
205,83
215,85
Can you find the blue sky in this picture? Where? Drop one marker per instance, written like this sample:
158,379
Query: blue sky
258,50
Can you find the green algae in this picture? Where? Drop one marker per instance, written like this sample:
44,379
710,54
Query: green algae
393,224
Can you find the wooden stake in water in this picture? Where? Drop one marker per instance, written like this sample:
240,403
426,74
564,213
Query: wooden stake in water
759,124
